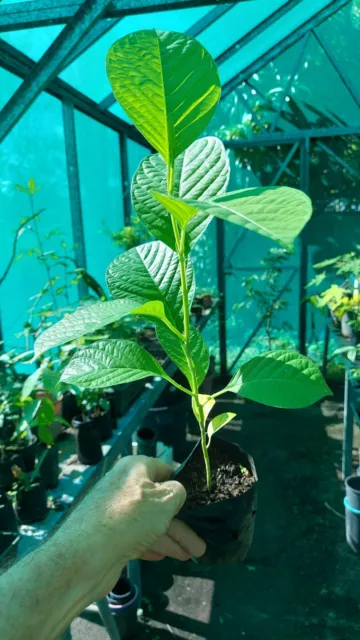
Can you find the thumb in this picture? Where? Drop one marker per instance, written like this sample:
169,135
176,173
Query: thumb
173,495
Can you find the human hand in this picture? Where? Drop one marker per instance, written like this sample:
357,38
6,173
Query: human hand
130,514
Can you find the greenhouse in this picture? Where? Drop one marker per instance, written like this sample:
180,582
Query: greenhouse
179,319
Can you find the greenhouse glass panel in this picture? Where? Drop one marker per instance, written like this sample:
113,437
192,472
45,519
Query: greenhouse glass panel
87,73
236,23
34,149
101,192
269,37
33,42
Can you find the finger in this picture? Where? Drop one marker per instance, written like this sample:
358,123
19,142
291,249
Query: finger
173,495
152,556
152,468
167,546
186,538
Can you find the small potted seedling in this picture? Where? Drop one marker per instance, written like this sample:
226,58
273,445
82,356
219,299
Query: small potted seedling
92,426
169,86
30,494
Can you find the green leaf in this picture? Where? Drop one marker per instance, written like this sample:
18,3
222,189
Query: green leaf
31,382
279,213
151,272
84,320
18,187
177,208
45,434
207,403
168,84
218,422
283,379
50,380
46,413
155,310
201,172
110,362
174,348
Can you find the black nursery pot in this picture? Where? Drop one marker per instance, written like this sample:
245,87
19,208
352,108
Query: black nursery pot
29,453
7,514
88,441
352,513
227,526
49,470
146,440
31,505
105,425
6,463
123,602
69,407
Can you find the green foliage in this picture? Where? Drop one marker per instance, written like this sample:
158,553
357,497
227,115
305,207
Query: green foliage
266,292
283,379
169,86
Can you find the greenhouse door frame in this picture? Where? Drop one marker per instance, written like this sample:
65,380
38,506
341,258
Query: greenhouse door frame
298,139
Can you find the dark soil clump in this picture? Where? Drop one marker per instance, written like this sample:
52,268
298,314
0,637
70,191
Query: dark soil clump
229,480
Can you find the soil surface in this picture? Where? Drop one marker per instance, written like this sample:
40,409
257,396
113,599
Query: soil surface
229,480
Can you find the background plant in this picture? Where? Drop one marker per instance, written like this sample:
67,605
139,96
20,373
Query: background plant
267,293
176,192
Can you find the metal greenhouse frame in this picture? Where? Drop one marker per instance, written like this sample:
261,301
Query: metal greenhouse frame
85,22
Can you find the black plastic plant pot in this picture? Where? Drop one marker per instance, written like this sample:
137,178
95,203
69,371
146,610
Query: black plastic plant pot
31,504
9,460
49,470
169,422
7,514
146,441
88,441
29,453
352,512
123,603
105,425
69,407
226,525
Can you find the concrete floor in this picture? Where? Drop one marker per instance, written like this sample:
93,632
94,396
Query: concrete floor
300,580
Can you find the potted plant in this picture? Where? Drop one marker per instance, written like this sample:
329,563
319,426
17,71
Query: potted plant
92,425
30,494
176,193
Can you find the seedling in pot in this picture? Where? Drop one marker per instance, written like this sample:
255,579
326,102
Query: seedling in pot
169,86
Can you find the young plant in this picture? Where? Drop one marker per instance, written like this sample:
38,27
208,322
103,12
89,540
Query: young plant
266,292
169,85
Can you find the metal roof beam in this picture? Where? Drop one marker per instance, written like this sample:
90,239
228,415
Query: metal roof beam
21,65
290,137
282,46
40,13
51,63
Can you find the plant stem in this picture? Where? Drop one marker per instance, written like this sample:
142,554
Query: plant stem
42,252
180,239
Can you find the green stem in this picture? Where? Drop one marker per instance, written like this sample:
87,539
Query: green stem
180,239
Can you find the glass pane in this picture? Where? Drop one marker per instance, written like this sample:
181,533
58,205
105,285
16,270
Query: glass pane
101,192
319,97
135,154
33,42
341,33
335,192
33,149
270,37
88,73
243,17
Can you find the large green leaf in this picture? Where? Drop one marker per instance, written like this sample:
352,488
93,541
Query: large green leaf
279,213
174,348
283,379
168,84
110,362
201,172
84,320
151,272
